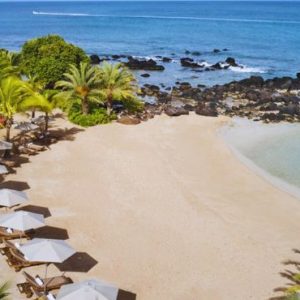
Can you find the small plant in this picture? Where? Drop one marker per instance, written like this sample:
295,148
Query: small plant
97,116
4,291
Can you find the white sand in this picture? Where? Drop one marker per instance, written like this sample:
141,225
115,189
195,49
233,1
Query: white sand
166,210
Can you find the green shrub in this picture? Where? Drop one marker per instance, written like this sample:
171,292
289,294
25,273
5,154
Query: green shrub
49,57
133,105
97,115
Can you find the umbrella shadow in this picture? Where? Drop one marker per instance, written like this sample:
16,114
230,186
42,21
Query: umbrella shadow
125,295
80,262
51,232
15,185
36,209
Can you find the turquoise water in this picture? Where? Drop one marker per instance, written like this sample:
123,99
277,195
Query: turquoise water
262,36
274,148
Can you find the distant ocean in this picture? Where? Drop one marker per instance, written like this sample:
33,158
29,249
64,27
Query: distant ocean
263,36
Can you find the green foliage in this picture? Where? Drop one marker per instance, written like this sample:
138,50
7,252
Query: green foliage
49,57
81,84
133,105
96,116
116,83
4,291
8,65
293,292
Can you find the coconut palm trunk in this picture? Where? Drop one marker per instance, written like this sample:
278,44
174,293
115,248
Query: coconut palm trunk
109,104
85,106
46,122
8,125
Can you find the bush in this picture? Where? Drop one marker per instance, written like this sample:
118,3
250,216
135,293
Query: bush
49,57
133,105
97,115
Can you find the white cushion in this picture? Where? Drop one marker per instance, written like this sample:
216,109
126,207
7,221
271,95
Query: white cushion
50,297
39,281
9,230
17,245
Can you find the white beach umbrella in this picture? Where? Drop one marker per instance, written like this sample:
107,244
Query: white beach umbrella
88,290
3,170
9,197
22,220
47,250
5,145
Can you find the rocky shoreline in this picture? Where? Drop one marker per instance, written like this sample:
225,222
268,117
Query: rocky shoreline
270,100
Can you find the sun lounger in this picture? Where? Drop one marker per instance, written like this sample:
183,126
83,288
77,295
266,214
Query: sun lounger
26,150
39,285
35,147
42,296
15,234
18,261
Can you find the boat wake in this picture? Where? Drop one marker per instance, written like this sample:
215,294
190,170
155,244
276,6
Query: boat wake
167,17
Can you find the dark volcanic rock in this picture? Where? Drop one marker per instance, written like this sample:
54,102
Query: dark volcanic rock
166,59
206,109
175,111
253,81
189,63
95,59
146,75
136,64
231,61
216,51
126,120
298,75
196,53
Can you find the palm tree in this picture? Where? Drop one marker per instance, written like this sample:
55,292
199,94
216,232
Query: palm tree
81,83
12,93
36,86
8,65
117,83
4,293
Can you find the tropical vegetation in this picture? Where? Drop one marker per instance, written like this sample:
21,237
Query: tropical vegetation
49,57
4,291
50,73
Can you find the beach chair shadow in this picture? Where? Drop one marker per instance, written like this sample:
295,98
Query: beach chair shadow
36,209
125,295
15,185
80,262
51,232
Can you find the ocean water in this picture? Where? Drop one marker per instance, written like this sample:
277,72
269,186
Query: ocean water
272,149
264,37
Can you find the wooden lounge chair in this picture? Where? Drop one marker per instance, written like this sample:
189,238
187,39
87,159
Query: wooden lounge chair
35,147
4,235
17,261
39,285
28,151
5,248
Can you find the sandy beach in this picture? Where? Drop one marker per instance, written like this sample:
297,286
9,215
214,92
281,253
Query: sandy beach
164,210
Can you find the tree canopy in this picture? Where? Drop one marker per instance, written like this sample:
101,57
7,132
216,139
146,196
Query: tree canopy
49,57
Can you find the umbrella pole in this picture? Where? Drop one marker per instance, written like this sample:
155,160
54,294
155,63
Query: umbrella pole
45,283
